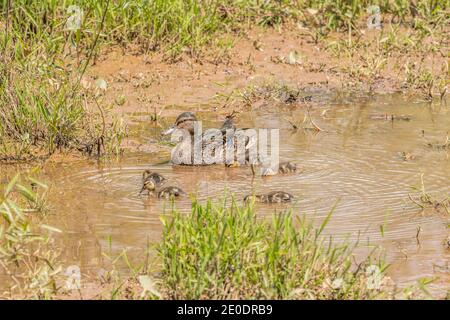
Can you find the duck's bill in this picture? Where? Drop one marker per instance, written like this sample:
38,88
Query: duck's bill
168,131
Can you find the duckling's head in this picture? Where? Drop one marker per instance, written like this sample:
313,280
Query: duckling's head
146,173
185,121
149,184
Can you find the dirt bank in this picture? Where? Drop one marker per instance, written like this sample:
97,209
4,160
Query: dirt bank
147,83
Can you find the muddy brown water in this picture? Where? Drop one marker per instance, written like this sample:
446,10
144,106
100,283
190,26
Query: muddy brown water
355,161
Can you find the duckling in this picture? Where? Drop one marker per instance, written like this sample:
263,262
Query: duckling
271,197
159,179
283,168
170,192
151,180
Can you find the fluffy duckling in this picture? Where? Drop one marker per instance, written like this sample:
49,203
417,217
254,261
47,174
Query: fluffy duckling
283,168
271,197
170,192
151,180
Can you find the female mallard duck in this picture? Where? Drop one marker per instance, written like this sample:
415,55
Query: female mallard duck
151,180
271,197
283,168
211,146
170,192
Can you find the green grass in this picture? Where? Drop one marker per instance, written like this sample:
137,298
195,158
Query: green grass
43,107
226,252
187,25
28,261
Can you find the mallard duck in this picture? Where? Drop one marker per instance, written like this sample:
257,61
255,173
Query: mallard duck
151,180
184,151
271,197
283,168
170,192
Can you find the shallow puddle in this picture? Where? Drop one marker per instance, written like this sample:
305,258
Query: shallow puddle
355,161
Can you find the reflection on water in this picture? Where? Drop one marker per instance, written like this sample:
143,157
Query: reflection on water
354,160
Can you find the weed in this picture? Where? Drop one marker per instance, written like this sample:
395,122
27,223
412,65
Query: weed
224,252
425,200
26,253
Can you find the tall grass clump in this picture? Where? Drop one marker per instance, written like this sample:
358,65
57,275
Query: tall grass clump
225,252
43,107
173,24
28,262
341,15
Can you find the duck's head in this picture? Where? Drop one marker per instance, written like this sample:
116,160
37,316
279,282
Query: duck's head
184,121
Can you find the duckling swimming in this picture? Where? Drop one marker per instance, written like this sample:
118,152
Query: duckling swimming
170,192
271,197
151,180
156,177
283,168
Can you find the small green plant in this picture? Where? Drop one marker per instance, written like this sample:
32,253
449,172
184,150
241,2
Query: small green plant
225,252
